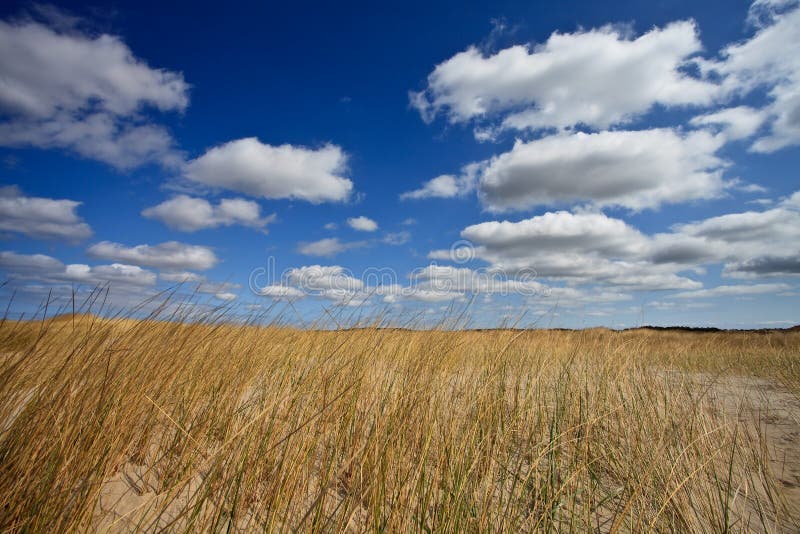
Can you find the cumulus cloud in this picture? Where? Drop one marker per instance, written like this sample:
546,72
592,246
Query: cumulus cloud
737,122
39,217
732,291
633,169
115,273
362,224
330,246
261,170
591,247
430,284
171,255
189,214
392,294
765,266
29,263
50,270
84,93
444,186
599,77
320,278
396,238
763,12
445,278
447,185
770,60
580,248
751,244
281,292
331,282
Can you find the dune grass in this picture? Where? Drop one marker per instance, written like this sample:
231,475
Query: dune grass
123,425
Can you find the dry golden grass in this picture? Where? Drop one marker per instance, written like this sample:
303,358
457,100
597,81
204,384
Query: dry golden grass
123,425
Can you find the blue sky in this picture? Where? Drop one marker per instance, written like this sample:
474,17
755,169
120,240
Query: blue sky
583,163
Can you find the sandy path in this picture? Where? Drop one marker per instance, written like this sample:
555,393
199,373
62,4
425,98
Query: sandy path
764,406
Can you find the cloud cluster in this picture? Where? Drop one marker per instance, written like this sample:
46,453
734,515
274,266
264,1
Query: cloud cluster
41,218
66,89
444,186
430,284
770,61
583,248
598,78
606,77
171,255
634,169
592,248
260,170
448,186
327,247
362,224
50,270
189,214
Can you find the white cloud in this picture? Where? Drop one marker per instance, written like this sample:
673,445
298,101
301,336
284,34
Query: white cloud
189,214
598,77
66,89
763,12
28,263
581,248
225,296
396,294
751,244
331,282
445,278
792,201
444,186
330,246
170,255
50,270
320,278
331,226
448,186
737,290
769,60
633,169
184,277
767,227
362,224
396,238
559,231
767,266
281,292
739,185
39,217
260,170
115,273
591,248
737,123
